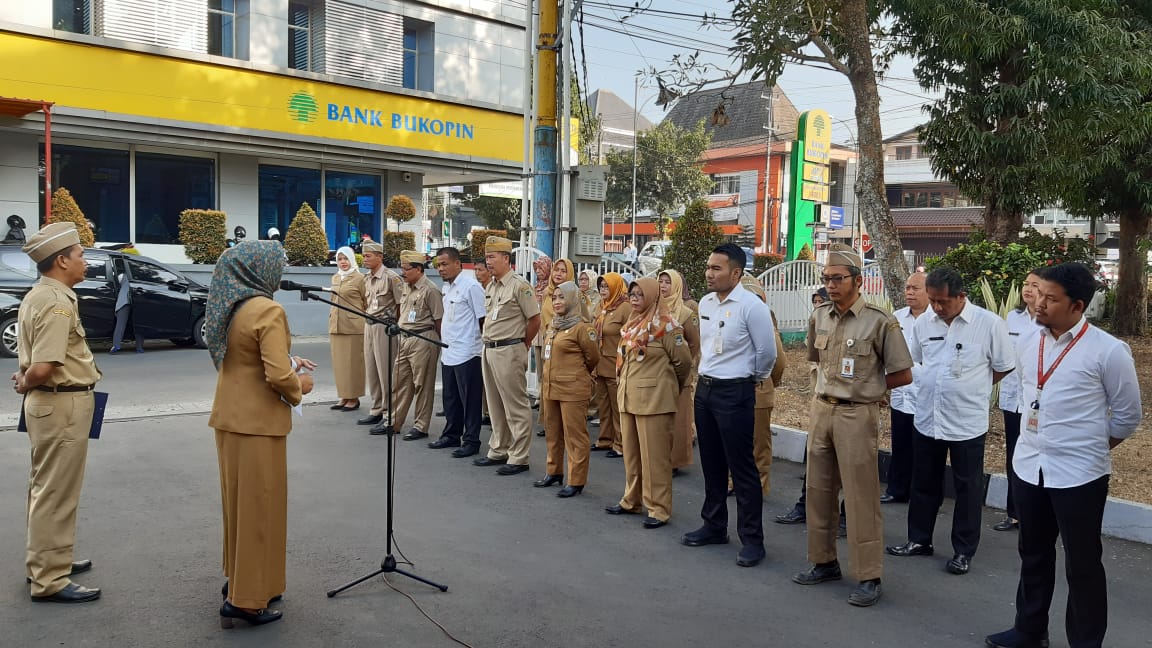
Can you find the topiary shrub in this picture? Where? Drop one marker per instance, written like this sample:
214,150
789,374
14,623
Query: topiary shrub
479,237
761,262
400,208
394,243
65,210
805,253
305,243
203,232
694,237
1002,266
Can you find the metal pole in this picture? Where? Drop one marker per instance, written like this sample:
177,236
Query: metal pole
768,173
47,162
544,206
635,146
566,140
526,165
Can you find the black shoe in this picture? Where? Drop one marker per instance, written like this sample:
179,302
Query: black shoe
842,529
676,472
890,499
383,428
1007,524
704,536
731,492
541,432
371,419
795,516
489,461
229,613
911,549
959,565
616,509
866,593
440,413
337,406
511,469
821,573
444,442
1015,639
549,480
72,593
465,451
487,420
596,448
750,555
224,595
569,491
612,454
652,523
415,435
78,567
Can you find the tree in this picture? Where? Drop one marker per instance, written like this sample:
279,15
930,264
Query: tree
668,170
400,208
805,254
305,242
589,133
747,236
204,234
493,211
695,236
65,210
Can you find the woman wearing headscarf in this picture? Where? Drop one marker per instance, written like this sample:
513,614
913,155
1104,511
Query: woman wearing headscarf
346,330
257,385
571,354
765,399
562,270
674,293
653,364
589,293
542,271
613,313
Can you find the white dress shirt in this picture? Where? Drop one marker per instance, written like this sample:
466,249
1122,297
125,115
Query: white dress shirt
903,399
1093,395
460,330
736,336
958,361
1021,326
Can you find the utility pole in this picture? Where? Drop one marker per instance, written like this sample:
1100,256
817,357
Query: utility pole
635,146
771,128
544,140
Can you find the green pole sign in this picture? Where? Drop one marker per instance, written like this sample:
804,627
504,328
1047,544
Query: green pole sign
808,169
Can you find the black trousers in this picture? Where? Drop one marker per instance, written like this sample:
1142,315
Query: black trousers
1075,514
463,391
928,464
725,418
900,467
1011,434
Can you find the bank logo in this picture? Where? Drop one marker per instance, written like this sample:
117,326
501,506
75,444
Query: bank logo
303,108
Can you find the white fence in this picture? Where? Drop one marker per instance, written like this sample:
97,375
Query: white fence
790,286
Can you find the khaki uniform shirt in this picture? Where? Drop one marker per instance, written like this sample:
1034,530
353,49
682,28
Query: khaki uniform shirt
570,358
854,351
509,303
50,331
652,385
347,291
421,307
690,320
385,290
610,339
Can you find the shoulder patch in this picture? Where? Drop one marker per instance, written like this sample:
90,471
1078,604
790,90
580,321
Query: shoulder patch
592,335
679,339
61,311
895,326
528,292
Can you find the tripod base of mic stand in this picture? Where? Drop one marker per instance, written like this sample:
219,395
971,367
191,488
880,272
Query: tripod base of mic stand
388,567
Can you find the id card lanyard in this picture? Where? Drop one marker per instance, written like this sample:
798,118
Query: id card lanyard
1043,376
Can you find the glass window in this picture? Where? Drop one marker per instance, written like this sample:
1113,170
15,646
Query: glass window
418,55
98,182
909,199
935,199
725,184
72,16
167,185
351,207
282,191
904,152
97,269
150,273
299,39
222,27
921,198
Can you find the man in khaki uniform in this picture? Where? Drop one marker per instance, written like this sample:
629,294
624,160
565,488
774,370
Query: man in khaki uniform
384,291
512,321
56,376
421,311
765,399
861,354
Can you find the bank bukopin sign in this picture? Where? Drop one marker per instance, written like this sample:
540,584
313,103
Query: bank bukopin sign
306,109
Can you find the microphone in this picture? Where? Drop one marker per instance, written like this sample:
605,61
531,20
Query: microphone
292,285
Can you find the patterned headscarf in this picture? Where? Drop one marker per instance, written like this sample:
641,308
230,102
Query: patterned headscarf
648,322
617,294
571,294
591,297
543,269
251,269
675,299
546,312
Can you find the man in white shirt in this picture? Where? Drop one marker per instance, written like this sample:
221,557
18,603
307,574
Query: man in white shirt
463,382
737,351
1082,399
902,403
963,350
630,254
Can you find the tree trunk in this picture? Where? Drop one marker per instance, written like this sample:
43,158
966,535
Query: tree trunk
1131,316
870,192
1002,225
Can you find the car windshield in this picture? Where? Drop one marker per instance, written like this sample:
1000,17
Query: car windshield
18,262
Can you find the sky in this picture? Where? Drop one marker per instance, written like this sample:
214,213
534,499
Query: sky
613,60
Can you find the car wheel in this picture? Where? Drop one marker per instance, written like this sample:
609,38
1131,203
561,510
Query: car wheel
198,333
183,342
9,340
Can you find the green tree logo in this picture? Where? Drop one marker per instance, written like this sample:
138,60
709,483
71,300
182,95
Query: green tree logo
302,107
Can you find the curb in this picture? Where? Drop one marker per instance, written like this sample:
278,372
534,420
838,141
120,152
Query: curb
1123,519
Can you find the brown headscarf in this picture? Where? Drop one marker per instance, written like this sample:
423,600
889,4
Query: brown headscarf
617,295
650,321
546,312
543,269
675,299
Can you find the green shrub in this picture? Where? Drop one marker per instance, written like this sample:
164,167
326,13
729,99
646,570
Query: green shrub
203,232
305,243
65,210
479,237
1002,266
693,239
805,253
400,208
394,243
761,262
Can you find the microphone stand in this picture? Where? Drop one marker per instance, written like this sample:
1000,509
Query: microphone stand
393,329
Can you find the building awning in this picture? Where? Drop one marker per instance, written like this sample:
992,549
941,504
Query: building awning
12,107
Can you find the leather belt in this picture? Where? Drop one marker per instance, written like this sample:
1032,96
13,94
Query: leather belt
423,330
66,388
503,343
708,380
832,400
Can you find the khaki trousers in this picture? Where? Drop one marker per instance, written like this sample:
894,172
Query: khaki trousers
566,431
506,390
254,494
415,380
647,443
58,425
608,395
348,365
376,365
762,449
684,429
842,453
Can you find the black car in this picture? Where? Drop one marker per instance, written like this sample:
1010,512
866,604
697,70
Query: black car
9,306
165,303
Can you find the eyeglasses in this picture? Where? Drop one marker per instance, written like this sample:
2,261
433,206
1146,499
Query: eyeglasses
633,295
833,279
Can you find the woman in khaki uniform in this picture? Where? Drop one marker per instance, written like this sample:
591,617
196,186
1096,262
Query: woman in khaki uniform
571,354
682,308
346,331
561,270
614,311
589,293
257,385
653,364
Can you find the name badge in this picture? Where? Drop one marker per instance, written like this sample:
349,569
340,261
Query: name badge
848,368
547,351
718,341
1033,422
412,316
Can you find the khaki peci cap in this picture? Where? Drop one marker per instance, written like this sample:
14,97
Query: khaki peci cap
497,244
842,255
372,247
753,285
411,256
50,240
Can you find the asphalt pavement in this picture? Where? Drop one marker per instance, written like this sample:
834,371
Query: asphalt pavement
523,567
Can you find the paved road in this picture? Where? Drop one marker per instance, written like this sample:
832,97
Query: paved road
524,568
